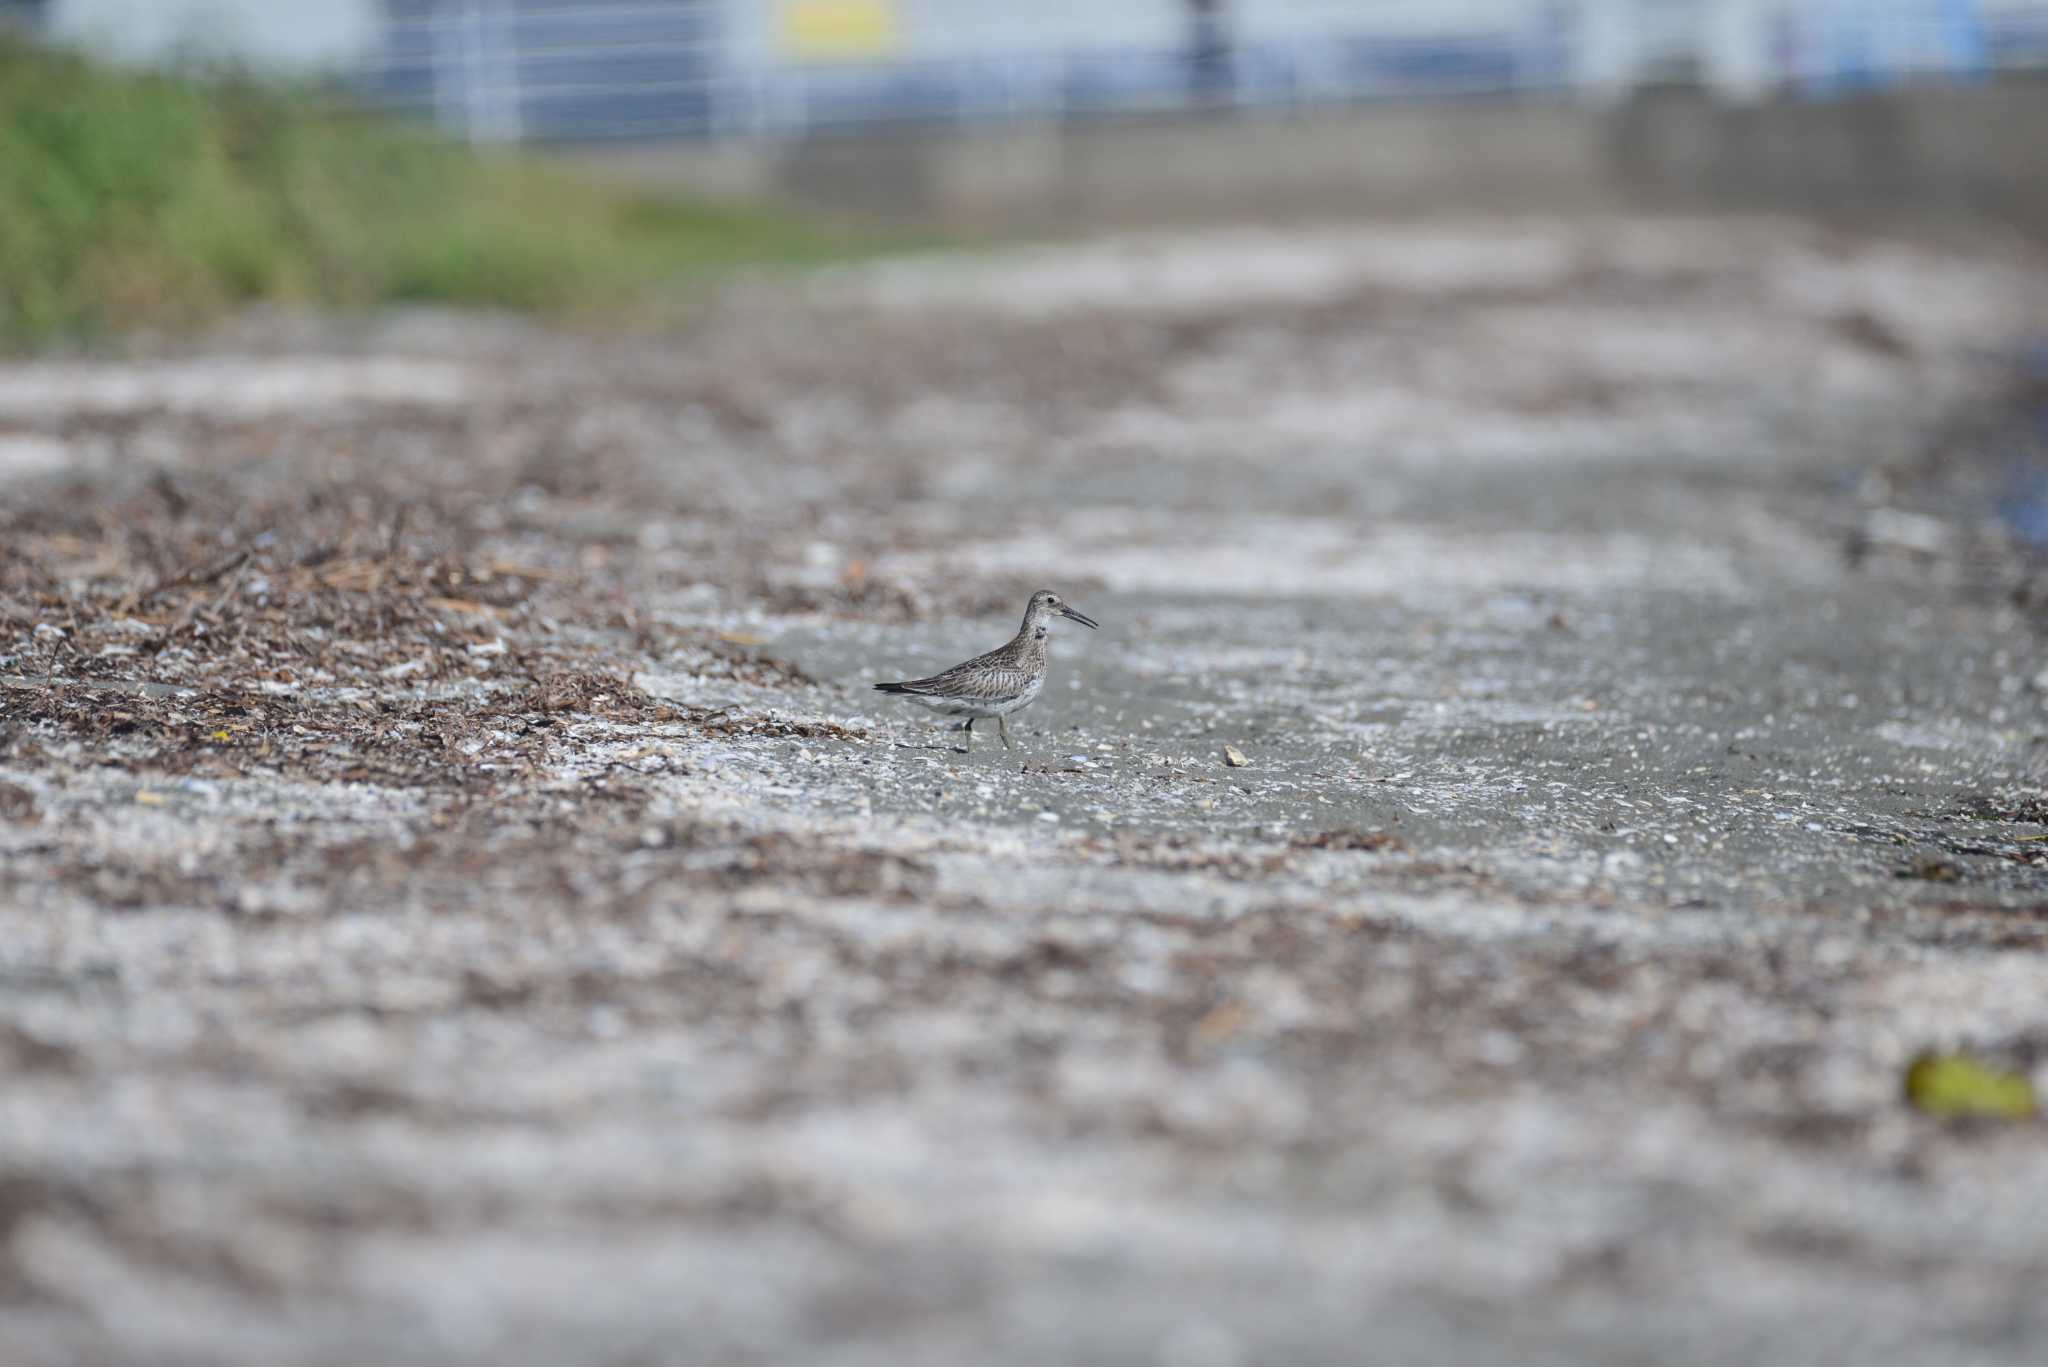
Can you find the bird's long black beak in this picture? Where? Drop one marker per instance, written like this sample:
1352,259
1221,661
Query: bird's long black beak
1083,618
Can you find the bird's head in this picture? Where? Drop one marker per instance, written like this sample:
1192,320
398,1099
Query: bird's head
1046,605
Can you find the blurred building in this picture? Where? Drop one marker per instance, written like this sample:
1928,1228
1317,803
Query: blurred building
620,68
590,69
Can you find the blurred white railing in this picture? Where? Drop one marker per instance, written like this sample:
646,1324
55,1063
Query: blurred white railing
503,70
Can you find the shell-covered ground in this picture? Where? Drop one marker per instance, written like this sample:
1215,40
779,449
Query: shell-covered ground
1568,730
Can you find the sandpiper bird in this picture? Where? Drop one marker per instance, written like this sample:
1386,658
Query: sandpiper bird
1005,680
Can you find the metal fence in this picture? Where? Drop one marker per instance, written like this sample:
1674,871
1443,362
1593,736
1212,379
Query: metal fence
509,70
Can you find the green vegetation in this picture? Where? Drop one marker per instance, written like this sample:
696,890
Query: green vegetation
1955,1084
129,199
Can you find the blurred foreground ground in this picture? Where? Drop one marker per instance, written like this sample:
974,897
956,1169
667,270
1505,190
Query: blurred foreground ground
462,903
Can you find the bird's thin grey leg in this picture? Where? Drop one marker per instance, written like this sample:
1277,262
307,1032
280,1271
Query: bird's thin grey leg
1003,729
969,744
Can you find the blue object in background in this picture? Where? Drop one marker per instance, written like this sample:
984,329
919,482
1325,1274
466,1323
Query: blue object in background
2024,504
1962,31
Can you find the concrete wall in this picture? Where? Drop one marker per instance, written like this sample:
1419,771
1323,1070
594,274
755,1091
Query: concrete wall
1960,152
1951,152
1394,158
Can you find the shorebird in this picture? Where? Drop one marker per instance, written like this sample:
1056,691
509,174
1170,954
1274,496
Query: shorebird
1005,680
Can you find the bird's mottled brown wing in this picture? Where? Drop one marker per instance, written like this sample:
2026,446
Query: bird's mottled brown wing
978,679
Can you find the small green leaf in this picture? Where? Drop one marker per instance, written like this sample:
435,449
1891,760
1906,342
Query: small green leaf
1955,1084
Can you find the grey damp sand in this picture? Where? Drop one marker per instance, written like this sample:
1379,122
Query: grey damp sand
510,931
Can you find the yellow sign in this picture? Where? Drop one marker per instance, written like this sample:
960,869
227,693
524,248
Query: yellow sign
837,30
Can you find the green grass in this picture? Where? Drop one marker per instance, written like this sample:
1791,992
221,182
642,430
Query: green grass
134,200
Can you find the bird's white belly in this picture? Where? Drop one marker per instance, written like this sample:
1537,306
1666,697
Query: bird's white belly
982,707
